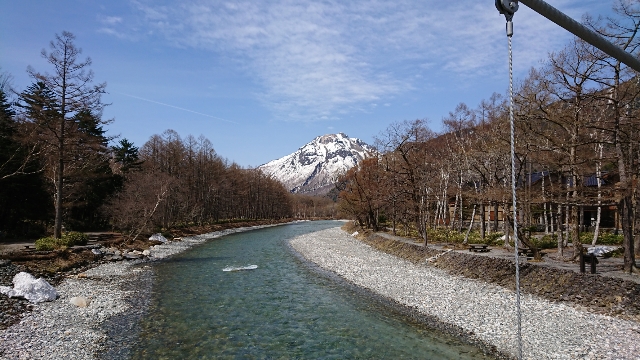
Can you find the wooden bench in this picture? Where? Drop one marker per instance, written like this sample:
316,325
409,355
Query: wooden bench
525,251
529,252
479,248
591,259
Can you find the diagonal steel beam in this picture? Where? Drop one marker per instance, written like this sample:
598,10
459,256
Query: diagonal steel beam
583,32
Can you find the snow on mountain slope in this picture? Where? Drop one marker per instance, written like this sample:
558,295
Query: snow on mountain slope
315,167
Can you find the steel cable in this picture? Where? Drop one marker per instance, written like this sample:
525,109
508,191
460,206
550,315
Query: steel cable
513,193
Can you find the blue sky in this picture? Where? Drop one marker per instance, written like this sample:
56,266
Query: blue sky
262,78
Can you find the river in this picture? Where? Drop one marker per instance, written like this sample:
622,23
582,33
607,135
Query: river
282,309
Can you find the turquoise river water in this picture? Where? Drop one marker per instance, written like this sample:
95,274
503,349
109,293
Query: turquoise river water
281,310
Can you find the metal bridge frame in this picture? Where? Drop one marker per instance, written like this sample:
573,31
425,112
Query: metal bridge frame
509,7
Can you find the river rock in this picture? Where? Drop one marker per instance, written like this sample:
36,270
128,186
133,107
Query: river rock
80,301
158,237
131,256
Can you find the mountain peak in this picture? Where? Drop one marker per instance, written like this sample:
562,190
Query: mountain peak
331,137
314,167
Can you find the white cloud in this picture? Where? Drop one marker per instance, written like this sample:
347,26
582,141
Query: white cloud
323,59
115,26
111,20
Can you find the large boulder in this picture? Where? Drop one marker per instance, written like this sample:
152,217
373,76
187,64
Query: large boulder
28,287
158,237
601,250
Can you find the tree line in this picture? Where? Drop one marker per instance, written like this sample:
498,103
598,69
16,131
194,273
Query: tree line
577,145
175,182
60,171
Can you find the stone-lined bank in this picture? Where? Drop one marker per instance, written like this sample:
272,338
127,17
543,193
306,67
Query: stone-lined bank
483,311
119,294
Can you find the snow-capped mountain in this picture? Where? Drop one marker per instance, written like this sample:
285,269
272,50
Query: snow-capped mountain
315,167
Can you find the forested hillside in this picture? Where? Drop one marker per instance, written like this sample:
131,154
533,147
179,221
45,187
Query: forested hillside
577,119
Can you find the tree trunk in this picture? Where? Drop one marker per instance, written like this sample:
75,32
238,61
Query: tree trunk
482,222
575,233
507,231
596,231
59,182
560,236
461,222
635,220
567,224
552,216
455,212
473,215
625,210
544,213
495,216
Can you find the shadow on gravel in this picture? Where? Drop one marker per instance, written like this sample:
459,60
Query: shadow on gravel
122,330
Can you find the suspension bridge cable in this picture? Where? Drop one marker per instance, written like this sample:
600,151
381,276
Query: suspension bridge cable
509,8
513,191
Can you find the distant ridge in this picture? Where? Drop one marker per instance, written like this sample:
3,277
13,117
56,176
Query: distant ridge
313,169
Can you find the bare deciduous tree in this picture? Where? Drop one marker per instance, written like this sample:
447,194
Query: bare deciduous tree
65,93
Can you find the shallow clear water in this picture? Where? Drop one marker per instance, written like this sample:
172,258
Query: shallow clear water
280,310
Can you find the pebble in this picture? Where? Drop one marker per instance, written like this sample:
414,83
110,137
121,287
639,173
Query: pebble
550,330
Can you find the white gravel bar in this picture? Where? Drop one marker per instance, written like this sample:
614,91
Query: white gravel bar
549,330
119,294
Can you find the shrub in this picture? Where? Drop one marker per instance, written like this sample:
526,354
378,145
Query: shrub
546,242
46,243
493,238
73,238
69,239
610,239
474,237
445,235
604,238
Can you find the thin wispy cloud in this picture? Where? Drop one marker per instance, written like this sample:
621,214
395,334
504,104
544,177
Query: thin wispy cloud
321,60
116,26
111,20
175,107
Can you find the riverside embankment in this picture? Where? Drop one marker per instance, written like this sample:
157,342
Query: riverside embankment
484,312
119,294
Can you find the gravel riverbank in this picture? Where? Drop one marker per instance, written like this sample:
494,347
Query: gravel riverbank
484,312
119,294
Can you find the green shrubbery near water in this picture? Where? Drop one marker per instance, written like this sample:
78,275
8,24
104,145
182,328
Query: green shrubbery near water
68,239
